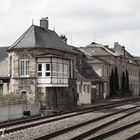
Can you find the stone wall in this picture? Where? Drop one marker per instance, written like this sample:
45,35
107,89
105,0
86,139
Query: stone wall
15,111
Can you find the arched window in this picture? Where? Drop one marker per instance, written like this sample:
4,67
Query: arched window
24,65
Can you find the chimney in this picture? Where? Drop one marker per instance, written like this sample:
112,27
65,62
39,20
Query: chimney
123,49
116,44
44,23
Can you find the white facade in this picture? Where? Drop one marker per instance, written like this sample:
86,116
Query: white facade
84,91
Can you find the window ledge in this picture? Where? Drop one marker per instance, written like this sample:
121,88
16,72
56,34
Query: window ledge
25,76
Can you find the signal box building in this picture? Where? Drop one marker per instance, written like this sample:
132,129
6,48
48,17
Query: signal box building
41,68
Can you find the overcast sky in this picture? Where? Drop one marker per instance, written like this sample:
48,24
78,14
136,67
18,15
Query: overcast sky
82,21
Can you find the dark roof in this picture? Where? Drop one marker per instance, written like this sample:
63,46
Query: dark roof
96,59
38,37
4,68
3,52
85,71
129,58
94,51
137,58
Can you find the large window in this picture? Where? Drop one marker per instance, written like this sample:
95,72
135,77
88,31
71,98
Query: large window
53,71
39,69
24,65
60,70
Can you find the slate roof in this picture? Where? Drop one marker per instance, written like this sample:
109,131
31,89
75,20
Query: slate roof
4,68
3,52
95,50
84,70
129,58
3,62
137,58
97,59
98,50
38,37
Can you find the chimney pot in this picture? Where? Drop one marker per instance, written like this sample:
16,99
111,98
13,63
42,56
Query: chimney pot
116,44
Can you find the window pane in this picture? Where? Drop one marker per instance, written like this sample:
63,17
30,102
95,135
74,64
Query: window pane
24,65
48,74
39,67
39,73
27,68
47,67
54,69
66,71
60,70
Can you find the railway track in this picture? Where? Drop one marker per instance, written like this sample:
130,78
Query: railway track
134,137
30,124
23,124
115,131
80,110
68,133
26,120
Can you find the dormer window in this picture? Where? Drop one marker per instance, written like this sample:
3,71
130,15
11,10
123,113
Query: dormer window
24,65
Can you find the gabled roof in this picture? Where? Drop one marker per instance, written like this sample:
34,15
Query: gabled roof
84,70
98,50
38,37
94,51
129,58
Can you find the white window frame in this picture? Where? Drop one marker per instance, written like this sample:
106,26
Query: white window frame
57,72
66,70
47,71
43,70
39,71
24,65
